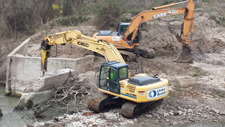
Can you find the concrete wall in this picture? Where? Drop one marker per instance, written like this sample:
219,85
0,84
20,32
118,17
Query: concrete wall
23,71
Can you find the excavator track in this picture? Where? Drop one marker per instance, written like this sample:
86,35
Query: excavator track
132,109
97,104
103,102
128,56
143,52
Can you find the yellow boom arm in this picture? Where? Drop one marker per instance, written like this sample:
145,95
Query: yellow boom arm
76,38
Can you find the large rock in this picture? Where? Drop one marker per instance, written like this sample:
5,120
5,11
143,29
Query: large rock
51,80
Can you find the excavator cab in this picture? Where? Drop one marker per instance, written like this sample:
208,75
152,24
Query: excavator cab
110,75
122,27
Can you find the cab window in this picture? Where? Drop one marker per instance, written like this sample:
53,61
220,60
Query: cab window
113,81
104,77
113,75
123,73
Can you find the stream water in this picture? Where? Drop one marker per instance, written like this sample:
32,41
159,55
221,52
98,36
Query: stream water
23,118
11,118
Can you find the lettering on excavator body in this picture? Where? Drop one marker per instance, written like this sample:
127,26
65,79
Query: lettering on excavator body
159,15
83,44
164,14
173,11
134,95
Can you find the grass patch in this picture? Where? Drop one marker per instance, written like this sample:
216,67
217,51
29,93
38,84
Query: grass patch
205,1
176,92
190,90
72,20
135,11
199,72
165,2
218,93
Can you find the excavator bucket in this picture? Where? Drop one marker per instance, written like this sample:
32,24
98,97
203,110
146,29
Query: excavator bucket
185,55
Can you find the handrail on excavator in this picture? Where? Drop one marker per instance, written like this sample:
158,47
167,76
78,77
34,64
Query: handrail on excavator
169,5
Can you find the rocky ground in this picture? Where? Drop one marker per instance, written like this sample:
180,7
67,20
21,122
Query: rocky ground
197,89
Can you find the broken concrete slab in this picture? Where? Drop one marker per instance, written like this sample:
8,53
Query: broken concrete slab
28,100
49,81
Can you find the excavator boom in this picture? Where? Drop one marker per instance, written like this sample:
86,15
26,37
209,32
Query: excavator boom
130,38
158,12
76,38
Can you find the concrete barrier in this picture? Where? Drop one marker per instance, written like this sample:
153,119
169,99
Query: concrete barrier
23,71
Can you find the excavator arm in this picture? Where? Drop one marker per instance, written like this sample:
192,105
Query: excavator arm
75,37
158,12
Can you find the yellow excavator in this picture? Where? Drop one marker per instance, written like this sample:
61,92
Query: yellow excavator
128,37
116,85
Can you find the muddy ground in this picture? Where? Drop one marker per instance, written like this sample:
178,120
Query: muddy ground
197,89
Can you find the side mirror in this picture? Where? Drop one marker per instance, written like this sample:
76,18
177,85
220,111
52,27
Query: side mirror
155,76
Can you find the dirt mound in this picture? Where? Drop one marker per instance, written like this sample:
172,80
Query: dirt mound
206,38
203,45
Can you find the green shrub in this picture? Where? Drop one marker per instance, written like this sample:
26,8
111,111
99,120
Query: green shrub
205,0
108,14
71,20
24,15
165,2
71,7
